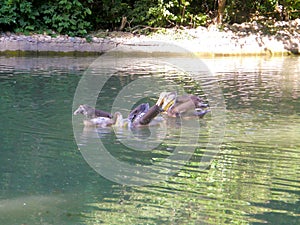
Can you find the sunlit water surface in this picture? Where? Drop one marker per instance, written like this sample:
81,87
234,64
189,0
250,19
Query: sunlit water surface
253,179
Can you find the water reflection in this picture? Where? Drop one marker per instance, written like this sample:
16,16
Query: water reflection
139,156
254,179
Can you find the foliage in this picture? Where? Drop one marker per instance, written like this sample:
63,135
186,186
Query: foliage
239,11
293,8
18,15
66,17
78,17
62,16
141,15
178,13
109,13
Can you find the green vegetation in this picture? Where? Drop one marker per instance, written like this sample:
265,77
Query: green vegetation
78,17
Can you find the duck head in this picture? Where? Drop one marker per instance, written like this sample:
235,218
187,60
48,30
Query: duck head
80,110
90,112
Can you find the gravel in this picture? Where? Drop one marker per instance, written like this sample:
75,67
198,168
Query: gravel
253,38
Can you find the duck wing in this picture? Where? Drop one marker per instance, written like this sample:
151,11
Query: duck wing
138,111
101,121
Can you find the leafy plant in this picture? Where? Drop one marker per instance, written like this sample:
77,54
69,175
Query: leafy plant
67,17
8,14
78,17
19,16
175,13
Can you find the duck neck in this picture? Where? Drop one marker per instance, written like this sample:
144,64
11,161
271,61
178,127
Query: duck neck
117,118
150,114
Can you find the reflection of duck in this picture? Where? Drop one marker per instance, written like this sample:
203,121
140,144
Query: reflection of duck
188,105
117,120
90,112
142,115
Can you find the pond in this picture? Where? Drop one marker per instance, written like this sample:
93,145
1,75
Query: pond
53,171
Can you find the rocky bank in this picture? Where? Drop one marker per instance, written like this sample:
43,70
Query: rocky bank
253,38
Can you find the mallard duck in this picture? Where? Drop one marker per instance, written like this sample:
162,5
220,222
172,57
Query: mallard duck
137,115
144,116
91,113
117,120
140,116
188,105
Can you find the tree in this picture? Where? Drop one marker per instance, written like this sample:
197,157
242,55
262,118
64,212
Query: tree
221,9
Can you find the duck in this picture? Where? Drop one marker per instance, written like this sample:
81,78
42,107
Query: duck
138,112
90,112
101,122
188,106
142,115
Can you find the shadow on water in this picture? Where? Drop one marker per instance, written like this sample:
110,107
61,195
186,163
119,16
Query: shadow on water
254,179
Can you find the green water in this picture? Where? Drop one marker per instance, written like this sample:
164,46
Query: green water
253,179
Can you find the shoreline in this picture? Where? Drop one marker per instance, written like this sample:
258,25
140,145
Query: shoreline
247,39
